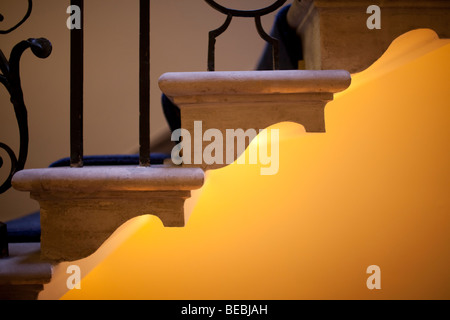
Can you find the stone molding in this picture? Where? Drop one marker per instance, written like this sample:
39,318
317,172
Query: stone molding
251,100
334,33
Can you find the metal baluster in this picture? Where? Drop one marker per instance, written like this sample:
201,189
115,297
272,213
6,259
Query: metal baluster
144,83
76,90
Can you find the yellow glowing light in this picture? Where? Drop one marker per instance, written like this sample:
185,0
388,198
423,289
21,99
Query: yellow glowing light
372,190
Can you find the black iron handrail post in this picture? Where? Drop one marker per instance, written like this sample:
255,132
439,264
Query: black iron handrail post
76,86
144,83
76,89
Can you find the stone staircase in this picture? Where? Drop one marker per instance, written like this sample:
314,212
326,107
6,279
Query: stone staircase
82,207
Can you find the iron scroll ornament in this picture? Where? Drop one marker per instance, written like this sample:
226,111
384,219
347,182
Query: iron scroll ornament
256,14
10,78
27,15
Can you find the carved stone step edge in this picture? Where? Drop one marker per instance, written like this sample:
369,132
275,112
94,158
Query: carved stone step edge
246,100
82,207
23,274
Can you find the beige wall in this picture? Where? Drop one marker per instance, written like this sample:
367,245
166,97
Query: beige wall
178,43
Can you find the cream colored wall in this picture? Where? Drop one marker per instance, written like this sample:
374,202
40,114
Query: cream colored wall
179,42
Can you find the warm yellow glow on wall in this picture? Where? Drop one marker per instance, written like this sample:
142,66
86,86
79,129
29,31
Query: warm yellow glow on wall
373,190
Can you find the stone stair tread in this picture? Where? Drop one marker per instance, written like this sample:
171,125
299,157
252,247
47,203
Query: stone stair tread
109,178
24,266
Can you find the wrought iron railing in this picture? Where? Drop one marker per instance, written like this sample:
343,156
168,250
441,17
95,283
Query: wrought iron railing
76,87
10,78
144,71
256,14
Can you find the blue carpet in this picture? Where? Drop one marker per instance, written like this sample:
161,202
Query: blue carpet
25,229
112,160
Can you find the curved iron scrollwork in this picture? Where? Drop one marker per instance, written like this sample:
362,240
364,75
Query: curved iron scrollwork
256,14
10,78
27,15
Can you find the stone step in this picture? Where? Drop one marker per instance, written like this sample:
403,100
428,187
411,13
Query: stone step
82,207
335,34
231,100
23,274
